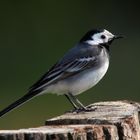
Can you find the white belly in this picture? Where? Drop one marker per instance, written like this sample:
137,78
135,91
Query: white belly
80,82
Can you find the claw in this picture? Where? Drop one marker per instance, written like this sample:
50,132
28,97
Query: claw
79,110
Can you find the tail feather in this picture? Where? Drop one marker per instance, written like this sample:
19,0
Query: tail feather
17,103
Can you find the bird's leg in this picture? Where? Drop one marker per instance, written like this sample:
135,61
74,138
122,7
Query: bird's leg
71,101
81,106
78,106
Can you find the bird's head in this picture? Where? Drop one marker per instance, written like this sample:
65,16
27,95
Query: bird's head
99,37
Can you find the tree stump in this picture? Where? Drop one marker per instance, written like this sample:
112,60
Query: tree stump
117,120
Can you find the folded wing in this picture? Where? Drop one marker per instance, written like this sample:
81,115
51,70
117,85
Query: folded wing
63,70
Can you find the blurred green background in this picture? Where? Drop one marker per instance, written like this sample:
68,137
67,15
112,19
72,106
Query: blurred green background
35,34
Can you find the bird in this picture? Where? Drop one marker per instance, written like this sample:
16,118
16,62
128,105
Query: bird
80,69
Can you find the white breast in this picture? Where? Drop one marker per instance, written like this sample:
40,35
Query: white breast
88,80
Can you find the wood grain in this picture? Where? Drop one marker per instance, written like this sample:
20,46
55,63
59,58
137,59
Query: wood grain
118,120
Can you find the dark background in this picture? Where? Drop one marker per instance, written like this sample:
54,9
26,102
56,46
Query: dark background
35,34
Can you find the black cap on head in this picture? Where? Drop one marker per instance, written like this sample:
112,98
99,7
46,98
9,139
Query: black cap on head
90,33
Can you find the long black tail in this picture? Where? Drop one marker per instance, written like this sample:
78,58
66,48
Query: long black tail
17,103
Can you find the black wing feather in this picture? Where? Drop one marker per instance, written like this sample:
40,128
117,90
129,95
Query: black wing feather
62,71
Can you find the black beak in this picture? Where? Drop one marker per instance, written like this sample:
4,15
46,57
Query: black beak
118,37
115,37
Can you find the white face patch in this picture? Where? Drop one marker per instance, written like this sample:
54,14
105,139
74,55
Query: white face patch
100,38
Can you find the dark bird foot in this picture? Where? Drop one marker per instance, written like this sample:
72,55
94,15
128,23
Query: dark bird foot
82,110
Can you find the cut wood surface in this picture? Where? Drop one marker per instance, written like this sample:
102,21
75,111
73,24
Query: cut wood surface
117,120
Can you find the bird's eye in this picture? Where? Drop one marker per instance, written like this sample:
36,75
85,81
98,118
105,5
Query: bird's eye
103,36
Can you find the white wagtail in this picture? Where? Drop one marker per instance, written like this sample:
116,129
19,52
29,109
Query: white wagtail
77,71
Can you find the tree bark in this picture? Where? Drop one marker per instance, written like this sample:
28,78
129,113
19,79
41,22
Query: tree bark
117,120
